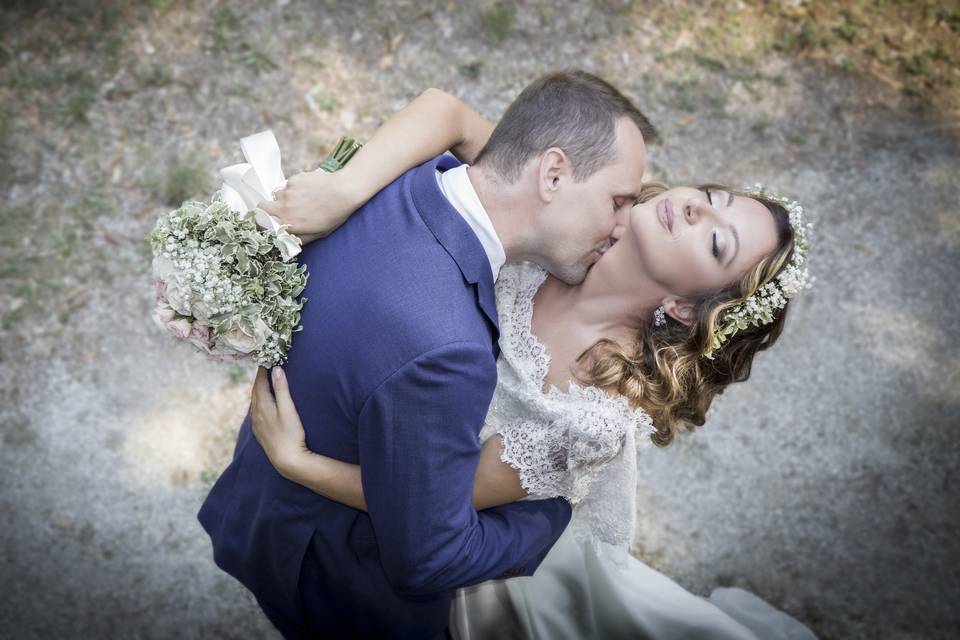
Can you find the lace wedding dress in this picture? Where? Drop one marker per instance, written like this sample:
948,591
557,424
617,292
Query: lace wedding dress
584,444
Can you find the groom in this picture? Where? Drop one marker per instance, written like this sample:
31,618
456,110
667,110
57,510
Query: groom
396,366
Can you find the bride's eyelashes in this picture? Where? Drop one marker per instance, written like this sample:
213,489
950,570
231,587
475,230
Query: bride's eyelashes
713,236
713,198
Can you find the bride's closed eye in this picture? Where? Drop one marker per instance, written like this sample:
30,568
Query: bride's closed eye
715,198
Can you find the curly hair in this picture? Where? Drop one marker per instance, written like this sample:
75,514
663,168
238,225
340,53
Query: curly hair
673,371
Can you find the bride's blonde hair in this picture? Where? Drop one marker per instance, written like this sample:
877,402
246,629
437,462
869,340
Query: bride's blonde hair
666,372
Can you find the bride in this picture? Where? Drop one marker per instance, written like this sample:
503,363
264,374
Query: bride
590,376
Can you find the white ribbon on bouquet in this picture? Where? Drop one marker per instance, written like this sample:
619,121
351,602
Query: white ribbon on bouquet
254,181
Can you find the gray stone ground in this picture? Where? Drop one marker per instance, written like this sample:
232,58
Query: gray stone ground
827,484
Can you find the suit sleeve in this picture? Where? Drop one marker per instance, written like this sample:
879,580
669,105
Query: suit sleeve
418,454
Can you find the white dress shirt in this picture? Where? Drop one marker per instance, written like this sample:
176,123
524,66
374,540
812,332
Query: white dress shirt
458,190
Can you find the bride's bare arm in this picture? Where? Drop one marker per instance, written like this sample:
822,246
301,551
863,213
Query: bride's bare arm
278,429
315,203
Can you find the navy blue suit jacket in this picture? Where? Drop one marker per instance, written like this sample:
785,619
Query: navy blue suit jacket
394,369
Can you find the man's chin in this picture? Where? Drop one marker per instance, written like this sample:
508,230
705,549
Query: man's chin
574,274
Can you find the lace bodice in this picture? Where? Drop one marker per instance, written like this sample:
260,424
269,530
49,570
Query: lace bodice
581,443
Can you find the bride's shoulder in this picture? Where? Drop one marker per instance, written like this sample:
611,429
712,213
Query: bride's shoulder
610,403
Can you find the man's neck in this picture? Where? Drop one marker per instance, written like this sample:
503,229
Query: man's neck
503,206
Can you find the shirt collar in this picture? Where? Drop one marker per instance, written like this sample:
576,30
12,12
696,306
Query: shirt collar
458,190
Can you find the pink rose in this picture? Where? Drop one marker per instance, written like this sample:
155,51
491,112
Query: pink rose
179,328
162,314
220,355
201,331
200,336
160,290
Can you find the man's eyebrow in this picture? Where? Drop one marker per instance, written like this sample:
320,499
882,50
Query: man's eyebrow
736,243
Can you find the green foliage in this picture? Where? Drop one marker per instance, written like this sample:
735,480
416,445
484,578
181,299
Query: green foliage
951,17
208,477
761,125
470,70
226,32
709,63
794,39
153,74
685,94
6,55
184,179
75,108
326,102
498,21
6,127
162,6
848,28
920,64
239,374
224,27
255,57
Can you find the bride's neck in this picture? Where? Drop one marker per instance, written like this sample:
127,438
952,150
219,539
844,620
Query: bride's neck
613,301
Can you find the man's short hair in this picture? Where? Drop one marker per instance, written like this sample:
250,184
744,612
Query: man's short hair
573,110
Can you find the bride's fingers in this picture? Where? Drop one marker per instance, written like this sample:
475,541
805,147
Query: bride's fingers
269,206
285,406
262,399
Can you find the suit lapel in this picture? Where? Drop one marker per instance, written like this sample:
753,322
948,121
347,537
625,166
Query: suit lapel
455,235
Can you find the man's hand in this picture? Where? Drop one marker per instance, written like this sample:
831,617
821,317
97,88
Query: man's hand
314,203
276,423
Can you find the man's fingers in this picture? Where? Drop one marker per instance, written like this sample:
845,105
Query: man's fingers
269,206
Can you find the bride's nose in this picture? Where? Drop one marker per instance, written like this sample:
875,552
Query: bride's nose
694,209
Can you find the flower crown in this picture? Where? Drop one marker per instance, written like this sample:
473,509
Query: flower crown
760,307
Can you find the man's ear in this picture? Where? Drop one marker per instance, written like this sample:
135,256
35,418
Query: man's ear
679,309
554,165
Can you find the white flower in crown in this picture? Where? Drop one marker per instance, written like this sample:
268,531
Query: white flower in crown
761,307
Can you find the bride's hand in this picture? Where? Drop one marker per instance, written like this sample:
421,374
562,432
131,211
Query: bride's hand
314,203
276,423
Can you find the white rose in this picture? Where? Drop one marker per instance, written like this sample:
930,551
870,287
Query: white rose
201,311
239,341
178,298
224,354
163,268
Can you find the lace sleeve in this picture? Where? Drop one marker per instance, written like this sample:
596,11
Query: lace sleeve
562,455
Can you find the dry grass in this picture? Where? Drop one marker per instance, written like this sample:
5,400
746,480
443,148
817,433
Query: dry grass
913,46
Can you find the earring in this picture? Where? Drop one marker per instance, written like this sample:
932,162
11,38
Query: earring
659,317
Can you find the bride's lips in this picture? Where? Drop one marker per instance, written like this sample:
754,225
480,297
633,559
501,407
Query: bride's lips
665,215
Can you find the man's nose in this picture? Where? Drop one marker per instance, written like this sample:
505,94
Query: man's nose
620,222
617,232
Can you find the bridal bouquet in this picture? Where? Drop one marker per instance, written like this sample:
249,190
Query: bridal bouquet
224,277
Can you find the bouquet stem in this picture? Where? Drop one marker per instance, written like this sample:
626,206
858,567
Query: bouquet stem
341,154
